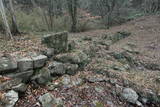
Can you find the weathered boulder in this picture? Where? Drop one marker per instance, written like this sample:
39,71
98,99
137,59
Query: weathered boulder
11,98
71,69
25,64
130,95
42,76
76,57
48,100
20,87
58,41
10,84
49,52
57,68
66,81
25,76
7,64
39,61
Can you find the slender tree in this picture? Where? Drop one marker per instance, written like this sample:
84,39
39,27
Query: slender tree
15,28
3,13
72,8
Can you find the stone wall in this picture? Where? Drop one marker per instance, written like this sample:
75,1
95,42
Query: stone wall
41,68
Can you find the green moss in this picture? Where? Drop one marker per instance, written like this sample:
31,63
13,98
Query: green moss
99,104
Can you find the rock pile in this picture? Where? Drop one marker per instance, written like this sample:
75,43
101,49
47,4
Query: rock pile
59,59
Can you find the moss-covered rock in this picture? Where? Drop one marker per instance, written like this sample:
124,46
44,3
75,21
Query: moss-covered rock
42,76
58,41
75,57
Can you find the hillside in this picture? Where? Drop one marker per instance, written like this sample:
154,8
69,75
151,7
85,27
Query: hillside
129,60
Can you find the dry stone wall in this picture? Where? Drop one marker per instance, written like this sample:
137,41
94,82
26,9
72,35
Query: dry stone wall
57,60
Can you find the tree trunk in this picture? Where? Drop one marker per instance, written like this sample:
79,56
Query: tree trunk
72,7
15,27
3,13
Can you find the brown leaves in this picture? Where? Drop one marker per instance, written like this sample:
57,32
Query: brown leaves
21,45
3,79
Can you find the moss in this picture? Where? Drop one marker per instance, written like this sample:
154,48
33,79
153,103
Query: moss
99,104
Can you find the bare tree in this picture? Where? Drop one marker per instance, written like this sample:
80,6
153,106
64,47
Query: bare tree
3,13
15,28
72,8
104,8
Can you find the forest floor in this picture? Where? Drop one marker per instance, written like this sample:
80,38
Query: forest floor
145,36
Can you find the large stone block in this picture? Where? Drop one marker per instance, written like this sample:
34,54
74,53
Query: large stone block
39,61
76,57
7,64
58,41
57,68
25,76
25,64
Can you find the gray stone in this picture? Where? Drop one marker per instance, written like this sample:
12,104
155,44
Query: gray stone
25,76
77,81
39,61
42,77
49,52
58,41
48,100
71,69
57,68
7,64
20,88
12,98
76,57
130,95
25,64
96,78
9,84
66,81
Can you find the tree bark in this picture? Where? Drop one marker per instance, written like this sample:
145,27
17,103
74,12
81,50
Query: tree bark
15,27
72,7
5,21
